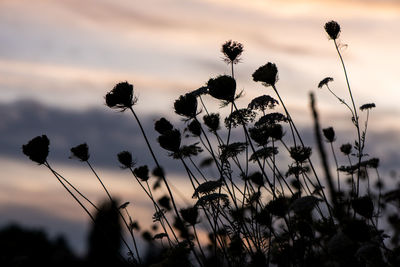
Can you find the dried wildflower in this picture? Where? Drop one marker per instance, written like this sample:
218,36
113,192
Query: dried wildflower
188,151
194,127
232,51
163,125
81,152
263,102
304,204
297,170
271,118
299,153
170,140
240,116
367,106
212,121
263,153
363,206
329,134
276,131
207,187
223,88
37,149
186,105
232,150
165,202
213,198
332,28
257,178
190,215
372,163
121,96
260,135
142,172
325,81
158,172
278,206
125,158
346,148
267,74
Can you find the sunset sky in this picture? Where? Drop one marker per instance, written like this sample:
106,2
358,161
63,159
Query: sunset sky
59,58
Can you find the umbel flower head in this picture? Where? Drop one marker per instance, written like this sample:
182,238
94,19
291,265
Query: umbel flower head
163,125
170,140
121,96
37,149
267,74
329,134
125,158
81,152
232,51
212,121
325,81
223,87
186,105
332,28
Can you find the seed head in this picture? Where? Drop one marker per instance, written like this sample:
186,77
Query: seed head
329,134
162,126
194,127
299,153
267,74
190,215
346,148
125,158
212,121
332,28
37,149
232,51
367,106
223,88
186,105
170,140
121,96
142,172
325,81
81,152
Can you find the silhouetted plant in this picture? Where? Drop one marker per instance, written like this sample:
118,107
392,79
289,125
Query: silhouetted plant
266,202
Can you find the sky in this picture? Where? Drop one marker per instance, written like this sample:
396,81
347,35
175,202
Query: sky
59,58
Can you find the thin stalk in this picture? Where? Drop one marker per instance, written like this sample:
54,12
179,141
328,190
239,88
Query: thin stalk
158,165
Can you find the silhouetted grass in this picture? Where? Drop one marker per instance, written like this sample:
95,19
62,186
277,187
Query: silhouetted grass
257,211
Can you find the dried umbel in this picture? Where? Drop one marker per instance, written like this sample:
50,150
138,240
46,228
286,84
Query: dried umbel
142,173
121,96
262,103
329,134
194,127
367,106
170,140
267,74
332,28
162,126
300,153
125,158
37,149
223,88
212,121
186,105
346,149
190,215
232,51
325,81
81,152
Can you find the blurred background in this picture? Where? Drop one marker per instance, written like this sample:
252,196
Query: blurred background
59,58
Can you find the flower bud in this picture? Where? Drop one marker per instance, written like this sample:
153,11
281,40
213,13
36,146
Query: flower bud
332,28
37,149
268,74
81,152
186,105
